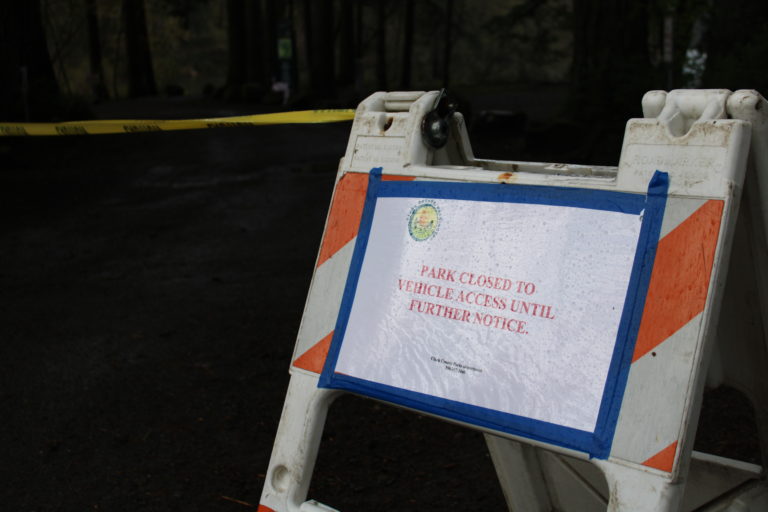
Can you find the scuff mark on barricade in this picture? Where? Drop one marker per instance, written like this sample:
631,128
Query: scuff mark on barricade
506,177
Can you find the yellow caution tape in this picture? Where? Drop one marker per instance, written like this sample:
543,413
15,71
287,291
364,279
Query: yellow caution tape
162,125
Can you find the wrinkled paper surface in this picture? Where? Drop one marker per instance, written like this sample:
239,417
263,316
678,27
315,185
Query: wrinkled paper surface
507,306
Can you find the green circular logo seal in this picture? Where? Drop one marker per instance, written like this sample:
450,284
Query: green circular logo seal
423,221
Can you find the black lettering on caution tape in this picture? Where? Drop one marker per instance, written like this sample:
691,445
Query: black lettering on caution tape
71,130
13,130
135,128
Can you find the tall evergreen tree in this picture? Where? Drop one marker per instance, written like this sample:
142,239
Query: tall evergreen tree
256,71
381,44
611,64
237,47
269,30
28,88
98,84
141,76
405,75
322,67
347,42
448,43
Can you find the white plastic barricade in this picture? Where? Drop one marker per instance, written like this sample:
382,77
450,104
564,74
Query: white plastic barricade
569,312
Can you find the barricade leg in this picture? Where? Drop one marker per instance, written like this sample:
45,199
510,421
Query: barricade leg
742,355
520,475
640,491
751,106
296,446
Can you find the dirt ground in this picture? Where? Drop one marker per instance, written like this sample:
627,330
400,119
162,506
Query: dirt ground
151,295
151,290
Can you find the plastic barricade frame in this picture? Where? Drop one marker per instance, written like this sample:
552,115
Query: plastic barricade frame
687,147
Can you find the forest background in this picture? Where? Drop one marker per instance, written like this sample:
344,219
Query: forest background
57,56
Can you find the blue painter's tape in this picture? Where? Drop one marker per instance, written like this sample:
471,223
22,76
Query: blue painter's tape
640,278
598,443
355,266
527,194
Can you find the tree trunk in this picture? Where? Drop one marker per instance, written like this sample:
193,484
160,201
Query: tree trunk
98,84
611,65
255,68
141,77
405,76
736,45
347,43
28,88
447,43
270,40
381,44
359,52
236,46
321,63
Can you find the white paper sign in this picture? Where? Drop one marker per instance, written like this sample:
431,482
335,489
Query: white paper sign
507,306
